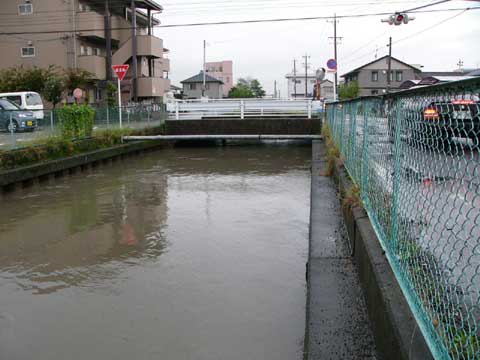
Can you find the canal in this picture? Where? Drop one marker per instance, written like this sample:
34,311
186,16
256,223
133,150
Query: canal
183,253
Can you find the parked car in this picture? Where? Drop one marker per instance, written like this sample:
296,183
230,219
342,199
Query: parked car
12,118
26,100
440,121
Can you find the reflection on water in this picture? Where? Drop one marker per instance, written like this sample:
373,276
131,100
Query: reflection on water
189,253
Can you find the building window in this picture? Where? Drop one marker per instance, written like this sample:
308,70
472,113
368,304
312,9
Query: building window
97,52
313,81
28,51
89,50
98,94
82,50
207,86
83,7
374,76
193,86
399,76
298,81
391,76
220,69
25,9
374,92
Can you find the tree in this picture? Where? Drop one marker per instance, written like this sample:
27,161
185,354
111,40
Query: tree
240,91
247,88
257,89
111,98
348,91
53,89
25,79
78,78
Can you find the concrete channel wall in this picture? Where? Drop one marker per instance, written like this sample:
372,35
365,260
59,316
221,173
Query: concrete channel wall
25,176
396,332
248,126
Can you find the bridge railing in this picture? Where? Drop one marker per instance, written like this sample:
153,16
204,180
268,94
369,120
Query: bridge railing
414,156
243,108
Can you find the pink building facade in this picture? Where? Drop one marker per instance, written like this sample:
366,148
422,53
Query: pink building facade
223,71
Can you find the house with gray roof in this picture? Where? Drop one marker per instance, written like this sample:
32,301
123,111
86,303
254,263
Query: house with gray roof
372,77
193,86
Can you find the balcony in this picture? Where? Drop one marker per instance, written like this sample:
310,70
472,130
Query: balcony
152,86
93,21
94,64
147,45
162,65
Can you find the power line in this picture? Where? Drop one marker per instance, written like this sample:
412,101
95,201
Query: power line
234,22
415,34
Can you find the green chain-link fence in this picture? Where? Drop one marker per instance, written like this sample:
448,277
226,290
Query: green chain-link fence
19,127
415,157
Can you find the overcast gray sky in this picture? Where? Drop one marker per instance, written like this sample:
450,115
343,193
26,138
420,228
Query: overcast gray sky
266,51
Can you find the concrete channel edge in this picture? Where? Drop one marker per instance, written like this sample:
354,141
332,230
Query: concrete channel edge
9,179
396,333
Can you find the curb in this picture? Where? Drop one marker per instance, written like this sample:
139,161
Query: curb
395,329
25,175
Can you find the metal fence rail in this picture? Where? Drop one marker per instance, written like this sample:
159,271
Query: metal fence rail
47,122
415,157
242,108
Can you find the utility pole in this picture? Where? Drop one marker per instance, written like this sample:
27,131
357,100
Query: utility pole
306,57
108,40
335,54
275,89
294,78
204,68
389,82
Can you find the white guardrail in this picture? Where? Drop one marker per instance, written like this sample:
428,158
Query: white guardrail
242,108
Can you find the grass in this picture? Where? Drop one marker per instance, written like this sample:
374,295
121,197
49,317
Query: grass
332,152
55,147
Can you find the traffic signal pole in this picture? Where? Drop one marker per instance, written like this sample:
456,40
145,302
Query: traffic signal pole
335,87
389,81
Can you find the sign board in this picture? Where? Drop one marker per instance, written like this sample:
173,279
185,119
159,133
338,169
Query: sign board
320,74
77,93
332,65
120,70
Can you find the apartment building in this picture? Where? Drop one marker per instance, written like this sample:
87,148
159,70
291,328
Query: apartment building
223,71
92,35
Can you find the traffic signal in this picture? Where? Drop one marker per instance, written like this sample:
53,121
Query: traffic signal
398,19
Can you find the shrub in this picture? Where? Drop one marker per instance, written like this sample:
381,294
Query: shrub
76,121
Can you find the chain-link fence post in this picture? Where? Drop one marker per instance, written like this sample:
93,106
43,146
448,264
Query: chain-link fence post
13,128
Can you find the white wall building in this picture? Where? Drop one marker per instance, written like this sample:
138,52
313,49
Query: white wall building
298,91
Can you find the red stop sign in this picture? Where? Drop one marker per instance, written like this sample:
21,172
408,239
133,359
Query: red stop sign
120,70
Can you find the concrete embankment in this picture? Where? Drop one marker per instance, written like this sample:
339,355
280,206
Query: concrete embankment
355,307
396,331
25,176
337,322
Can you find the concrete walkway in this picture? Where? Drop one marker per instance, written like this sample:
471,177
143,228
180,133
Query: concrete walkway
337,321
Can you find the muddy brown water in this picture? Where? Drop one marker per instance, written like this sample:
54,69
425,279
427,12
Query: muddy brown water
185,253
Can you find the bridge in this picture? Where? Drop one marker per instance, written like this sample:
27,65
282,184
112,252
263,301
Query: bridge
240,117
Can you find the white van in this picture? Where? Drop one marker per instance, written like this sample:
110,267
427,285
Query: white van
26,100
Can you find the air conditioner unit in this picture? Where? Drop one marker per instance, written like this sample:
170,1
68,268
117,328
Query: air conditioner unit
29,43
28,1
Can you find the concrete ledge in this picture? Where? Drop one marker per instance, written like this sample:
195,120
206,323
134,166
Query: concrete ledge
9,178
248,126
396,332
